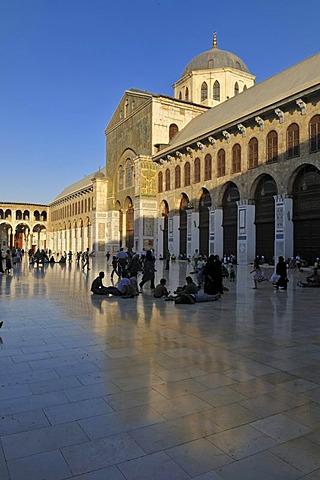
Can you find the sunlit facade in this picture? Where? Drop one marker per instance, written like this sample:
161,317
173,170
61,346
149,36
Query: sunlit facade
224,166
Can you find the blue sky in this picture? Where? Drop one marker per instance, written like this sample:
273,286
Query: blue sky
64,65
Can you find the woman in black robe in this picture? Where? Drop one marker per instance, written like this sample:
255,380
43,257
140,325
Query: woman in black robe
212,274
281,270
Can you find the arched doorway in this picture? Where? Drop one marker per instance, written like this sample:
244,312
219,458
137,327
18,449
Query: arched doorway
230,219
129,223
164,208
306,213
265,217
20,236
204,205
183,224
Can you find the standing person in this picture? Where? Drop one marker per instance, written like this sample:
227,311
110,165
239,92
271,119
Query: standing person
167,259
134,265
298,263
86,257
195,259
8,262
114,264
1,261
258,275
108,257
148,271
212,276
122,260
281,270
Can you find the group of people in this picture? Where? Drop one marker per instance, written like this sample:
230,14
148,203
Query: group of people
127,267
10,258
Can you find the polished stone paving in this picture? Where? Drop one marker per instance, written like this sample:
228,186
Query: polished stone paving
95,388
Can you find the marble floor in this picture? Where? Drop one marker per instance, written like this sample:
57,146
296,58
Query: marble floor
96,388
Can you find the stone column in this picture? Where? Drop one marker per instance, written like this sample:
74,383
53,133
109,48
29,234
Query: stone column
216,231
283,227
246,244
194,231
189,233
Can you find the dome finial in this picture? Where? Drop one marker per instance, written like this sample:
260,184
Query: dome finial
215,43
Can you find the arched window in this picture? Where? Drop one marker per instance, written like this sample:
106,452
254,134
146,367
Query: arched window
160,182
253,154
272,146
180,96
204,92
236,158
293,142
197,170
187,176
245,87
18,215
177,177
187,94
236,88
221,163
173,129
216,90
167,180
120,178
208,167
314,133
129,171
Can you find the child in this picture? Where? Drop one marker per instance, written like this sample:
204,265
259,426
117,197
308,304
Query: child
114,267
258,275
232,273
161,290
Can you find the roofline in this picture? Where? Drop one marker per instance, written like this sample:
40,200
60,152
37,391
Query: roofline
240,119
23,203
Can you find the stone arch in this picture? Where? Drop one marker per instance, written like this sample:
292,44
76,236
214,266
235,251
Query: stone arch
306,212
265,190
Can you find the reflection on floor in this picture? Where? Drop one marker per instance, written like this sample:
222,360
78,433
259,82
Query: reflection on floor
97,388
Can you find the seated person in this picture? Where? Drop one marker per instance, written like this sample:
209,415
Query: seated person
189,287
161,290
123,289
62,259
97,286
134,284
314,278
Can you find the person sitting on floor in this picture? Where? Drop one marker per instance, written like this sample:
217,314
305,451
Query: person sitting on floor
123,288
189,287
314,278
134,284
161,289
97,286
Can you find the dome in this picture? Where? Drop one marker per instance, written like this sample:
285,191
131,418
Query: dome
98,174
215,58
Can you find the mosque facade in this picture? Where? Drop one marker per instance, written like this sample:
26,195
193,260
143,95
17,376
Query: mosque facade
225,166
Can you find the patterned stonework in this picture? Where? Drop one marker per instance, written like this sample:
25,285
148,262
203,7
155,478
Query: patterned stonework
148,182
